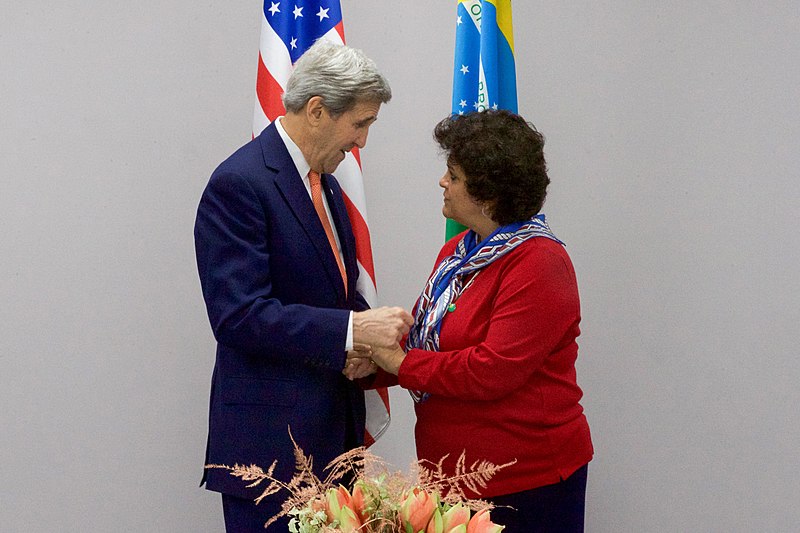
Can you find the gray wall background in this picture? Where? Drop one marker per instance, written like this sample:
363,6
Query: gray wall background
673,134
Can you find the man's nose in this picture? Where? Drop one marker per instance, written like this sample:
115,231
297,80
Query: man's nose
361,140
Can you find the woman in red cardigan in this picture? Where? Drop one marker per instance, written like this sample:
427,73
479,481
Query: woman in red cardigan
490,360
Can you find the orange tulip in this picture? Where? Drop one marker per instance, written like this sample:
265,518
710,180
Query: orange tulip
455,520
417,510
481,523
336,498
348,521
359,500
435,525
340,507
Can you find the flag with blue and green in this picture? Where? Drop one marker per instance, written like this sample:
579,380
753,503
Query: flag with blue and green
484,74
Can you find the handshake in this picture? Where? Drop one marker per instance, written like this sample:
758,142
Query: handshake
376,341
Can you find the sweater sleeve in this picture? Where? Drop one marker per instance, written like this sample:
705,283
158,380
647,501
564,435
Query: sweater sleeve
533,312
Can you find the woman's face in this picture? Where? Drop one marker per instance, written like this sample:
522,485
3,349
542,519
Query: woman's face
458,204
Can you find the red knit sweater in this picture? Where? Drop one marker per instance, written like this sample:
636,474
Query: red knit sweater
503,384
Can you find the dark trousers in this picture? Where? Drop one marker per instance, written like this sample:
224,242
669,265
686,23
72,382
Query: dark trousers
244,516
555,508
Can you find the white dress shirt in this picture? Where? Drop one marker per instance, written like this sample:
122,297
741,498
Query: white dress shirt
303,168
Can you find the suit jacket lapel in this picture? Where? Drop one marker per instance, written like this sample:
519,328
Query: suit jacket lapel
296,196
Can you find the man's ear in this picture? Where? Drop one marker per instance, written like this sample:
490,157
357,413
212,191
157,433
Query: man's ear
314,110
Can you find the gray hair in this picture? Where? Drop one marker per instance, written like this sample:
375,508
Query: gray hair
340,75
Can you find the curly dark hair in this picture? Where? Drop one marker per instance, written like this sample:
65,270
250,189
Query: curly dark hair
502,157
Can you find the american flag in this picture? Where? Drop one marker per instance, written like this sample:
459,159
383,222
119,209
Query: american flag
288,29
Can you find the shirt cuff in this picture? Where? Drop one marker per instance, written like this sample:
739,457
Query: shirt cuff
349,342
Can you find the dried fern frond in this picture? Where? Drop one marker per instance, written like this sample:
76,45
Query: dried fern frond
302,462
252,473
383,491
350,462
256,476
451,487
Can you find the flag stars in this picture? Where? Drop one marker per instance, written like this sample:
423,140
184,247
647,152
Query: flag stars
293,43
475,105
323,13
459,21
494,106
274,8
298,12
463,103
464,69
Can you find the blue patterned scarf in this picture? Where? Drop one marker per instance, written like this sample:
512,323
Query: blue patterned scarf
447,282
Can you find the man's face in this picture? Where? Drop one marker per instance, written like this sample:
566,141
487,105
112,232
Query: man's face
337,135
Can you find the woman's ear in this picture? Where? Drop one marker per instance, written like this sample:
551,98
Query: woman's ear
487,210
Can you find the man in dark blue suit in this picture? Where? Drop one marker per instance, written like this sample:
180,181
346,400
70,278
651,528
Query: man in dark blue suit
291,329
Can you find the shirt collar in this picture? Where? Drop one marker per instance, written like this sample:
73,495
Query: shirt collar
295,153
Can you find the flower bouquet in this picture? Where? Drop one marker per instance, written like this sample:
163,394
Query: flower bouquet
379,501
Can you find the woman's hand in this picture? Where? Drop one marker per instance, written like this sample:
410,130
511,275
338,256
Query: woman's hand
390,358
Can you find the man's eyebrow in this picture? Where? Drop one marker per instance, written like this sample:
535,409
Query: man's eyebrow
365,121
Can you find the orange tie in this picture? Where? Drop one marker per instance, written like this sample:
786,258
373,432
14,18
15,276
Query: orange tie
316,197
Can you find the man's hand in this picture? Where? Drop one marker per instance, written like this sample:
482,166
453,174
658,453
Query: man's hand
359,368
359,363
383,327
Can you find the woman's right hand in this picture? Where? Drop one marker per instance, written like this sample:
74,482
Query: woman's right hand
390,358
